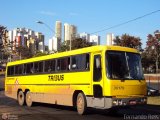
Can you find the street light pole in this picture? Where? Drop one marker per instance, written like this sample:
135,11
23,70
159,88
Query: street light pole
40,22
70,43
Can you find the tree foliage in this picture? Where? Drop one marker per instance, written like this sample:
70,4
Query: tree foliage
39,53
148,62
128,41
3,38
80,43
76,44
64,46
153,49
2,34
22,52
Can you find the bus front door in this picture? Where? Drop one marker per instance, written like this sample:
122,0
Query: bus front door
97,81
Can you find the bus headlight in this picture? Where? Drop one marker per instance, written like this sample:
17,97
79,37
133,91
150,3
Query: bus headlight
120,102
144,99
117,102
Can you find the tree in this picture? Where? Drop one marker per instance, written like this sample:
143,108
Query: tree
147,62
76,44
64,46
39,53
153,48
80,43
3,41
128,41
3,37
22,52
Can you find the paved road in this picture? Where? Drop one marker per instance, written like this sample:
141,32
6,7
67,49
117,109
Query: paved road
10,108
1,82
52,112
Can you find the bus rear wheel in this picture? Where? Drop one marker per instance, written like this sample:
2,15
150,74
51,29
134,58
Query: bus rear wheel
81,104
29,99
21,98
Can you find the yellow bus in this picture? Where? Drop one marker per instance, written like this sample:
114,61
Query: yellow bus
100,77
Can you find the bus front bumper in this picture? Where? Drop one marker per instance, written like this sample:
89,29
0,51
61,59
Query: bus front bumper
128,101
106,102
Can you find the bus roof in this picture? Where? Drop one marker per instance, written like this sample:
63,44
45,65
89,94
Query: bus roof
73,52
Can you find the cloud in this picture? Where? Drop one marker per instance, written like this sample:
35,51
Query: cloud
73,14
48,13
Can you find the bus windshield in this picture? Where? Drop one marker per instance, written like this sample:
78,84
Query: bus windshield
123,65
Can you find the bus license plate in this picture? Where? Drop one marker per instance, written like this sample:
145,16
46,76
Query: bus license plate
132,102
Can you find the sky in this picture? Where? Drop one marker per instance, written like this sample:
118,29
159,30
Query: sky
88,15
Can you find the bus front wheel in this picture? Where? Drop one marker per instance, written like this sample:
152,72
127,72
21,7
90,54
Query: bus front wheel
29,99
81,104
21,98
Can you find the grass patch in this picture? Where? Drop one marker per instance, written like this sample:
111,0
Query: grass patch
154,100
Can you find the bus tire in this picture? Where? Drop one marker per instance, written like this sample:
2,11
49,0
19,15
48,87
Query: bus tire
29,99
81,104
21,98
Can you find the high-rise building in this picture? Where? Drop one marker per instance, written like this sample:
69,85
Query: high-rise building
70,32
66,32
50,45
58,35
110,39
27,38
32,45
54,44
10,36
39,41
85,36
58,30
95,39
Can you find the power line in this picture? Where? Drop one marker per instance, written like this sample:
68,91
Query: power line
114,26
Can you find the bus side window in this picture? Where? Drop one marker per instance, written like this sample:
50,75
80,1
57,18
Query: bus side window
36,67
30,68
16,69
97,72
68,64
80,62
87,61
25,69
52,65
64,64
58,64
73,65
10,70
40,66
47,66
20,69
